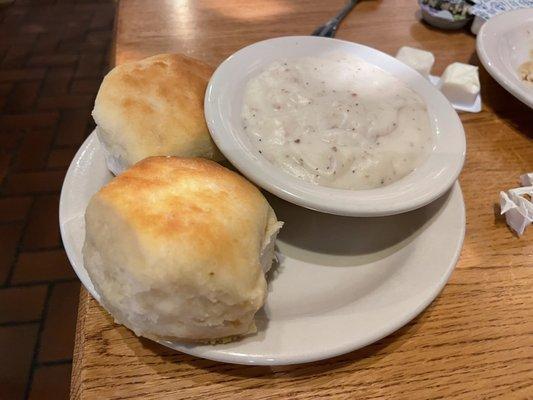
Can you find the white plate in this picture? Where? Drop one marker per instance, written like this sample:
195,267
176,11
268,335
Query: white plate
503,44
341,283
223,104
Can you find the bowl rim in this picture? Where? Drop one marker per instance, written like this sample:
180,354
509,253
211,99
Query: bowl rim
395,198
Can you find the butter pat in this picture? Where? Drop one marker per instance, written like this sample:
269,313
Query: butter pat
460,83
420,60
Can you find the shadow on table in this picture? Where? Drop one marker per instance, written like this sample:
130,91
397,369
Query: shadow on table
502,103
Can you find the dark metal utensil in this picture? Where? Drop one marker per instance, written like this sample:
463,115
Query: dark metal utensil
329,29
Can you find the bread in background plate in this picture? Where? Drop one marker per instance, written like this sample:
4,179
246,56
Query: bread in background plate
154,107
178,249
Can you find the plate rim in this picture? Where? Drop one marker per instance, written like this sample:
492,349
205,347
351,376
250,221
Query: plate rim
237,358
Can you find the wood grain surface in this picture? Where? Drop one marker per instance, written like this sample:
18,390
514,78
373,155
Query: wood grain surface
475,341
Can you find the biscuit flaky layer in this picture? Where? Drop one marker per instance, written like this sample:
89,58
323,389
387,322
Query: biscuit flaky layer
155,107
175,248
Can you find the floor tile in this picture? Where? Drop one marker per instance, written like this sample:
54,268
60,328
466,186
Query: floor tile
57,338
23,96
85,85
5,162
61,158
53,60
51,382
52,57
43,224
16,345
65,102
18,304
21,74
9,240
34,182
14,208
72,127
34,148
27,121
41,266
57,81
16,57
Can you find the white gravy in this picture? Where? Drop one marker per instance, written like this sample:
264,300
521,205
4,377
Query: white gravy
338,122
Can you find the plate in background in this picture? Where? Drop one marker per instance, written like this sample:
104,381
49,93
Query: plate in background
503,44
341,283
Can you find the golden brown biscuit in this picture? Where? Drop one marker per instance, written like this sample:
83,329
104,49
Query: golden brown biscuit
154,107
178,248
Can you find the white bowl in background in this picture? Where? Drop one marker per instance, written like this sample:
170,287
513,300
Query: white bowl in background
223,104
503,44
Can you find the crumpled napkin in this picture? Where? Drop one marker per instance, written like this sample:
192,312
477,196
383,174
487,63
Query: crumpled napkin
518,209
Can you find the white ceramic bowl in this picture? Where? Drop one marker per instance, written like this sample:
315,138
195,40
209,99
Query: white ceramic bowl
223,103
503,44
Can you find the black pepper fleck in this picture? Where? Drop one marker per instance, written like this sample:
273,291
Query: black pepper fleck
297,141
334,148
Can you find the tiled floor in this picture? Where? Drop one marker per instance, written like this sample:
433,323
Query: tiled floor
53,54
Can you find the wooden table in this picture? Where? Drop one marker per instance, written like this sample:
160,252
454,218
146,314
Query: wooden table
476,339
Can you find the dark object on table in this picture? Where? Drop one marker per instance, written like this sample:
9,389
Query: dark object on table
329,29
446,14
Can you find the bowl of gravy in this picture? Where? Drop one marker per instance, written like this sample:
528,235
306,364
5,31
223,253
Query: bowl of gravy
334,126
